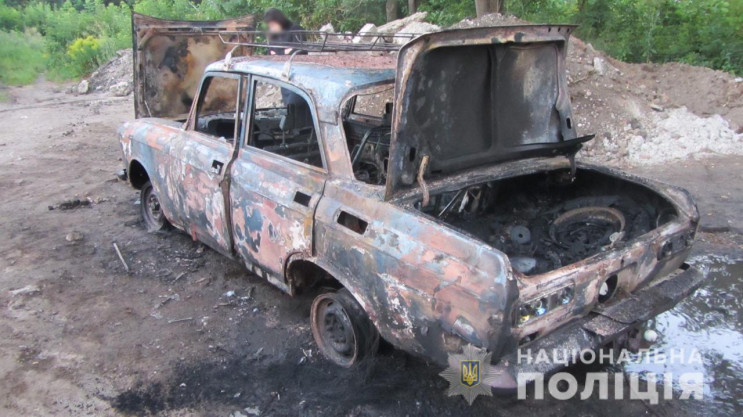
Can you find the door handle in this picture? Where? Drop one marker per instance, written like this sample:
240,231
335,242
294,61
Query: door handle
217,167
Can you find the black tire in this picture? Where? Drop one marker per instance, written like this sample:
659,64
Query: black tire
152,213
341,328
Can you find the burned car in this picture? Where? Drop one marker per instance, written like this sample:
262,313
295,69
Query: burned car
435,190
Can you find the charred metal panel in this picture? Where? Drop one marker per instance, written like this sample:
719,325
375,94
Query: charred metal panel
194,180
337,156
635,263
269,224
148,141
418,282
179,165
472,97
603,326
170,57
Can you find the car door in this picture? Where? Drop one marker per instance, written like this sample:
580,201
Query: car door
278,178
200,161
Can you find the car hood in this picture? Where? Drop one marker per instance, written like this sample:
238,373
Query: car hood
170,57
473,97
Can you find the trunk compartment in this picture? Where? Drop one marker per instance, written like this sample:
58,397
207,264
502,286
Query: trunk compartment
545,221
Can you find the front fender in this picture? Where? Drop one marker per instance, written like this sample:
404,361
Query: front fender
148,142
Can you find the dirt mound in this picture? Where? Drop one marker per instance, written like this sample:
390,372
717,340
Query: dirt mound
115,76
652,113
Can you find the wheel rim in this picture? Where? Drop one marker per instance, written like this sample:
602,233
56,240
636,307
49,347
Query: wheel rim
153,211
334,331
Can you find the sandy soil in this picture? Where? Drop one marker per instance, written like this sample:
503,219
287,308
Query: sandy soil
170,338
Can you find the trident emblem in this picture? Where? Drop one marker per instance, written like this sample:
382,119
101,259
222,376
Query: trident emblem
470,373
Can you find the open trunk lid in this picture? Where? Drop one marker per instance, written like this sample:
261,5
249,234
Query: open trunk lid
473,97
170,57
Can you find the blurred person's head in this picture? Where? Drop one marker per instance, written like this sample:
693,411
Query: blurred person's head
276,20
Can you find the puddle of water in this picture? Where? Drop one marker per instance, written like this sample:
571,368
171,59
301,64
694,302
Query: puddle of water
710,323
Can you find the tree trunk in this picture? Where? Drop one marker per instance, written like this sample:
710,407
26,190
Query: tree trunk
483,7
393,10
412,6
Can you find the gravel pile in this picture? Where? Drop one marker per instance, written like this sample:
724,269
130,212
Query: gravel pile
115,76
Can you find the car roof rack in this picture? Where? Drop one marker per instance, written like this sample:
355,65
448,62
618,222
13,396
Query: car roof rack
319,41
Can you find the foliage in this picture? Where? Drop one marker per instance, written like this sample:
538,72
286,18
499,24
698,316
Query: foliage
10,18
552,11
700,32
72,37
83,54
446,13
20,60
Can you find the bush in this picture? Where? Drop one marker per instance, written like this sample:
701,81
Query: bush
10,18
73,36
446,13
81,36
83,54
20,59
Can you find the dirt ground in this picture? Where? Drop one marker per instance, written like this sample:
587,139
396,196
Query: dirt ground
187,332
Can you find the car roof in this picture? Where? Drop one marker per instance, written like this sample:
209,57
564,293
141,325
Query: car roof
328,78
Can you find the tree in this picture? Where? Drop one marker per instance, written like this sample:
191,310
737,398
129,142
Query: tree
412,6
483,7
392,9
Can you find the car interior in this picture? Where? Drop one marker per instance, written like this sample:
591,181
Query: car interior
283,124
367,121
216,112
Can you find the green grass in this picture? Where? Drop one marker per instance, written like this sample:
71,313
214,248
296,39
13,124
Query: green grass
67,39
21,57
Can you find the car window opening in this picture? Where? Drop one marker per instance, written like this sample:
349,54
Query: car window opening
218,106
283,124
368,125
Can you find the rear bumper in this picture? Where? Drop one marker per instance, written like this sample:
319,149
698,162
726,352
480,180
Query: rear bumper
599,328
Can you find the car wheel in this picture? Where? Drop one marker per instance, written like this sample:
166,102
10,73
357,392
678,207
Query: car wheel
341,328
152,213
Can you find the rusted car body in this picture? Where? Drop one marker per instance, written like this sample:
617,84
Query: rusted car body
468,222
